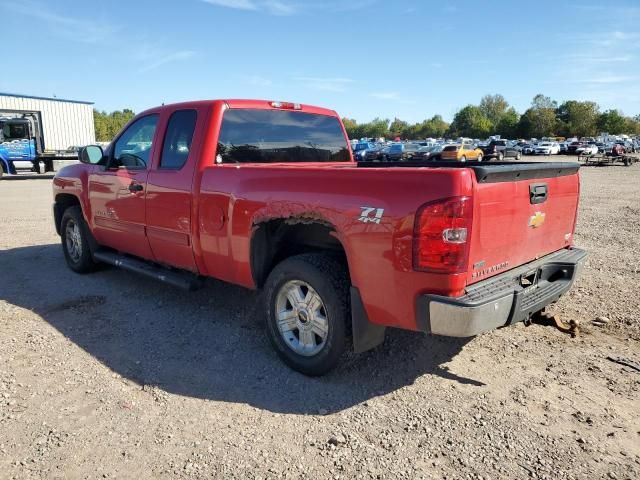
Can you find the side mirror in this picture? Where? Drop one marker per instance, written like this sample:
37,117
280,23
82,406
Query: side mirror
91,154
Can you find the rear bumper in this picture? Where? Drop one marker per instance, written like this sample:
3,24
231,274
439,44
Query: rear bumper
501,300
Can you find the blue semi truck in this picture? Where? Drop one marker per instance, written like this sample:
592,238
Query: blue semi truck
22,145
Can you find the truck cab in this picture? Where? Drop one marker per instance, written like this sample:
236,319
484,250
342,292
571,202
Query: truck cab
17,145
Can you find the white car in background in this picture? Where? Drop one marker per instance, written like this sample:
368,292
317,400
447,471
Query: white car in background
547,148
588,149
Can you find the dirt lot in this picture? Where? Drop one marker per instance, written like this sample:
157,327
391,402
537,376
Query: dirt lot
115,376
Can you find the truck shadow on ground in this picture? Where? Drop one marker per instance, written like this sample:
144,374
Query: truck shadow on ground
207,344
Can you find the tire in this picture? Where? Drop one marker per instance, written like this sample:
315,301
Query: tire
75,241
479,157
518,156
500,156
463,158
324,281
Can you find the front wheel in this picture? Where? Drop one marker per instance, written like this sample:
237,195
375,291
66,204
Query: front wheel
307,312
500,156
75,241
463,158
518,156
479,157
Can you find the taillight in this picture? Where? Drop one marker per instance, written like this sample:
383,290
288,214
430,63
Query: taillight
441,235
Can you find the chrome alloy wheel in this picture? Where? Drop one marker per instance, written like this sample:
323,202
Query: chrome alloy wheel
73,240
302,318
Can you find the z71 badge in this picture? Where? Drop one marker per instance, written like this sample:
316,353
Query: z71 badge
371,215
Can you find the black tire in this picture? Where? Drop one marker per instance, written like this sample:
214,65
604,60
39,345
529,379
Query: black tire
500,156
80,261
328,277
463,158
479,158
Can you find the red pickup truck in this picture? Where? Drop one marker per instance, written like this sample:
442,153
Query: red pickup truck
267,195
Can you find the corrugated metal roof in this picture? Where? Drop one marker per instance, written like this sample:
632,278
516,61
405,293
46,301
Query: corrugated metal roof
45,98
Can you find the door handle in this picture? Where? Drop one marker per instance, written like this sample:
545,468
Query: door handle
135,187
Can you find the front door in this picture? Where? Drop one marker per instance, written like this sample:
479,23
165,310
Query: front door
117,193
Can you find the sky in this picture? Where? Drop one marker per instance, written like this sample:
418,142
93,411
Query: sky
409,59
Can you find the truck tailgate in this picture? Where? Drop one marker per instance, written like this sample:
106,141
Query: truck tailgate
517,221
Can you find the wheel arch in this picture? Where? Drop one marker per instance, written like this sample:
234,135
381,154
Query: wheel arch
62,202
276,239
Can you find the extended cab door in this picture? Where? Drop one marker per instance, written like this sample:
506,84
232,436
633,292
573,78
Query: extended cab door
169,187
117,193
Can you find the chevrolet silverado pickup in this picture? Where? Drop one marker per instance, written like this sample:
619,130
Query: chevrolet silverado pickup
266,195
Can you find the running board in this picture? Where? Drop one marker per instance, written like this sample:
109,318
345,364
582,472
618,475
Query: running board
185,281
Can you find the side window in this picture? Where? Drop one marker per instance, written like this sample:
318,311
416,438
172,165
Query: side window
177,139
133,148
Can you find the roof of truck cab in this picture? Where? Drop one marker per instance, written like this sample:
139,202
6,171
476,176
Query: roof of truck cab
247,103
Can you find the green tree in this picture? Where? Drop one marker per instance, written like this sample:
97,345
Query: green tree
434,127
352,128
577,118
494,107
507,126
613,122
399,128
376,128
470,122
539,120
107,125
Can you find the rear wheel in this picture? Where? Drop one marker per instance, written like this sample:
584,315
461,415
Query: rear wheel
479,157
463,158
75,241
518,156
307,312
500,156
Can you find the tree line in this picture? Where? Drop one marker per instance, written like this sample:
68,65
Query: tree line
107,125
494,116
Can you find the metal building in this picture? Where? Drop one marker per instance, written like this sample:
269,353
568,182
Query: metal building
65,123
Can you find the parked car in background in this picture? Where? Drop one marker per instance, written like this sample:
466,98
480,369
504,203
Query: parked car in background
428,153
461,152
587,149
359,150
563,147
499,149
528,149
394,152
373,154
573,147
547,148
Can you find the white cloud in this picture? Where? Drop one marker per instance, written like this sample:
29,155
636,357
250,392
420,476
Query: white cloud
386,95
292,7
607,79
150,57
325,84
237,4
73,28
274,7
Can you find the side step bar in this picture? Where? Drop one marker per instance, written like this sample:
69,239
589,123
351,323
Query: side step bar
185,281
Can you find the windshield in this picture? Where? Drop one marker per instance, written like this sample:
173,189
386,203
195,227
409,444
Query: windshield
277,136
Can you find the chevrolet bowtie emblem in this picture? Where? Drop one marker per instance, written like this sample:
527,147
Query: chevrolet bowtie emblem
536,220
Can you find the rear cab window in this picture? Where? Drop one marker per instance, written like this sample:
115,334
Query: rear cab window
278,136
177,139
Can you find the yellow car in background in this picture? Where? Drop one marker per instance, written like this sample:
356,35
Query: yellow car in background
461,152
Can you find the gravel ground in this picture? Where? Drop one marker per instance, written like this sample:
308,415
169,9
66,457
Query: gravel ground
115,376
